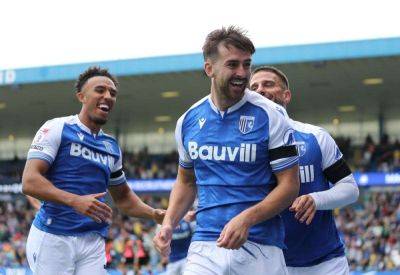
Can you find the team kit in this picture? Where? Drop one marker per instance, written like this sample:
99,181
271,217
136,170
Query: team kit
263,186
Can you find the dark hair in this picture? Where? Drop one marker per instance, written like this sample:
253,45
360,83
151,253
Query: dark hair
279,73
92,72
231,36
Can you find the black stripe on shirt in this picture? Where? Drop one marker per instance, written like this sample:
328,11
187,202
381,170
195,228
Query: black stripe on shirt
282,152
116,174
337,171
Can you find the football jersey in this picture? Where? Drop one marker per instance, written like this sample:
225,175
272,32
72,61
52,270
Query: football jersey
309,245
180,243
80,163
234,155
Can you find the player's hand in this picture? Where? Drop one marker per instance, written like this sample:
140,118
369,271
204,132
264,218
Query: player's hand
305,208
90,206
234,234
190,216
162,240
158,215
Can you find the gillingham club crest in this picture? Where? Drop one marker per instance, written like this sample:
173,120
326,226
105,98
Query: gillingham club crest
246,124
108,146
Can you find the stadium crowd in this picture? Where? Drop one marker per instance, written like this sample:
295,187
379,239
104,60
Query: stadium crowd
370,227
382,156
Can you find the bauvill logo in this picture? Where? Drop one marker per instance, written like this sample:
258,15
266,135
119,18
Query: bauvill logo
78,150
245,153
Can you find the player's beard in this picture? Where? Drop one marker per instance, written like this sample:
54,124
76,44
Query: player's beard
230,92
98,120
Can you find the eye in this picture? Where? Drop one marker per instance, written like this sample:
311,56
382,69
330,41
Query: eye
247,65
232,64
113,92
269,84
99,89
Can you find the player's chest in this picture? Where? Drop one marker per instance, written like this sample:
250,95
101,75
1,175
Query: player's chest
237,138
81,148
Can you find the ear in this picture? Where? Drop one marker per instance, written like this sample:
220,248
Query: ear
208,68
288,96
80,96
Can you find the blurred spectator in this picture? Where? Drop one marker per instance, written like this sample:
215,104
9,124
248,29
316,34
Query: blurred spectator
371,157
371,231
370,228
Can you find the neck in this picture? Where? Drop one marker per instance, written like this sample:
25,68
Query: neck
94,127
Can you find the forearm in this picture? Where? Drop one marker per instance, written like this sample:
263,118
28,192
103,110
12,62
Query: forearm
133,206
277,200
344,192
39,187
35,203
181,199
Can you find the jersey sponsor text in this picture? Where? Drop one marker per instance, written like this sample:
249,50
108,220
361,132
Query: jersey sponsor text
246,152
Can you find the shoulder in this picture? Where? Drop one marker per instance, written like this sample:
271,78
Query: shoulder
267,105
60,121
54,127
193,109
321,134
307,128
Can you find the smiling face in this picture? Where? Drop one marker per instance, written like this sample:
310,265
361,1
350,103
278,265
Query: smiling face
98,96
229,71
269,85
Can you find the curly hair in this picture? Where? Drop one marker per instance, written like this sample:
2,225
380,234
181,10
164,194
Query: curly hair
92,72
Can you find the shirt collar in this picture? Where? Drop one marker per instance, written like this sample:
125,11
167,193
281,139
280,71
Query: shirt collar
231,109
85,128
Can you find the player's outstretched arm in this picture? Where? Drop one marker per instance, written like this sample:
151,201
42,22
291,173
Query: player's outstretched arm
181,199
236,231
130,204
36,185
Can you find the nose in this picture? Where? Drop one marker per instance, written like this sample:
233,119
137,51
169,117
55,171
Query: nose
107,94
264,93
241,71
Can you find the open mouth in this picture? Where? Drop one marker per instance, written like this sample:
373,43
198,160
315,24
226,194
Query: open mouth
104,107
238,82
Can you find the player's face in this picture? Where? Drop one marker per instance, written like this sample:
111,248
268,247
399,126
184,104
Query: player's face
98,97
230,72
269,85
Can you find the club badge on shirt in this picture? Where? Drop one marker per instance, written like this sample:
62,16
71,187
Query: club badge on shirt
246,124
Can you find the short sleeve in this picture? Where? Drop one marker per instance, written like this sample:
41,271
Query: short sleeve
184,159
117,176
330,151
47,141
281,147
